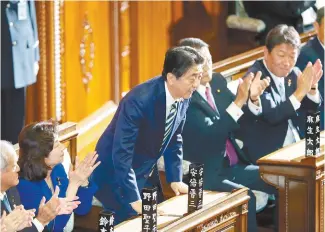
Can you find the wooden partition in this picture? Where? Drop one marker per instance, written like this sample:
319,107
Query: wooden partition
220,212
300,184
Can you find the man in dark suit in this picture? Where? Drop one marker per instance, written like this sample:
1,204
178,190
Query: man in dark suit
17,218
19,63
147,124
313,50
208,132
290,93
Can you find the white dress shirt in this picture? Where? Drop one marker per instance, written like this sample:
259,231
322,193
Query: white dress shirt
233,110
169,100
292,133
36,223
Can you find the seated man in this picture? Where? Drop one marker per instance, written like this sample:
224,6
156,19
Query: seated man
313,50
18,218
211,118
290,93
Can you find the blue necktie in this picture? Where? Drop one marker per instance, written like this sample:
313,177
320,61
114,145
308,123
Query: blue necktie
169,123
6,203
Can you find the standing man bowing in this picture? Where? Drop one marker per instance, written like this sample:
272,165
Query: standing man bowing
147,124
19,63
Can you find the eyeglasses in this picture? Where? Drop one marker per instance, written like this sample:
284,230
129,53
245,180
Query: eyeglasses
13,168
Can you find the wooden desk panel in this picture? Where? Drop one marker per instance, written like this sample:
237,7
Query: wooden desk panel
220,212
300,184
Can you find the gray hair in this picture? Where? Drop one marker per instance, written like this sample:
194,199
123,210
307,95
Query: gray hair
7,150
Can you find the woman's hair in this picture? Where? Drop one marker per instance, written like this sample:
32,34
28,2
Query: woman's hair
36,141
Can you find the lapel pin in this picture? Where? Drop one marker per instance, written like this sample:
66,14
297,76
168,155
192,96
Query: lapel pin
218,90
289,82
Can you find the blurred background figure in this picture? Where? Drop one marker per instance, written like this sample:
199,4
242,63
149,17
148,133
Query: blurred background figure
19,63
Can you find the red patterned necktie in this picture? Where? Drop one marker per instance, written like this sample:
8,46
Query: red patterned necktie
230,149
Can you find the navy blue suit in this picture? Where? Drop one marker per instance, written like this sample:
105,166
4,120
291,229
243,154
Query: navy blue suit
312,51
266,133
130,147
205,134
14,199
31,193
19,51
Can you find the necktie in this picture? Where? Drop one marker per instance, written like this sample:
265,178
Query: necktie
292,135
230,149
6,203
282,92
169,123
209,98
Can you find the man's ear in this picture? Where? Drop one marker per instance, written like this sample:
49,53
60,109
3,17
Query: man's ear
170,78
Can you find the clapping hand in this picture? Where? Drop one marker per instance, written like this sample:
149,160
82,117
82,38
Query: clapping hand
83,169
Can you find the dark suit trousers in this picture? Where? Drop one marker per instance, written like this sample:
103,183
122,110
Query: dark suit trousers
240,176
12,113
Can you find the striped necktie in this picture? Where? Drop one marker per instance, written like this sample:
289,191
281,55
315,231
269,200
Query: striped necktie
169,123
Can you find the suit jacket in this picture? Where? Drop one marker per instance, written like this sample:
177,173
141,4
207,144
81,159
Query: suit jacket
312,51
19,45
31,193
206,130
266,133
130,146
14,199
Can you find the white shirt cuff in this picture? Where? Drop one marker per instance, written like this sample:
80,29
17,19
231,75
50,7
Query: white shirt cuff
38,225
315,98
256,110
234,111
295,103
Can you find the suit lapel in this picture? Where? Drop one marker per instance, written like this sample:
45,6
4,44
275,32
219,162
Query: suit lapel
160,112
204,105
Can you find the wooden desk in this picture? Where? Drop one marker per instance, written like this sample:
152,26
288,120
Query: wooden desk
300,183
220,212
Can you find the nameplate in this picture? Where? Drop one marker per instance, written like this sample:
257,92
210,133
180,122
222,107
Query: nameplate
312,134
195,187
106,221
149,209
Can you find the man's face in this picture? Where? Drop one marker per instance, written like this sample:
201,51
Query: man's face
281,59
9,176
184,86
207,67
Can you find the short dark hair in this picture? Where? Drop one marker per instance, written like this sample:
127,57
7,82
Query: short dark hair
282,34
179,59
193,43
36,141
320,15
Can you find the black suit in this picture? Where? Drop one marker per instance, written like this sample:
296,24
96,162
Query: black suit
205,134
14,199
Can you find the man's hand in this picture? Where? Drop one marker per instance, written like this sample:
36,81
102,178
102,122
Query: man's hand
179,188
137,206
304,82
258,86
18,219
243,90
